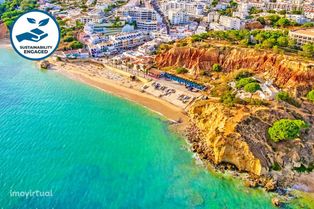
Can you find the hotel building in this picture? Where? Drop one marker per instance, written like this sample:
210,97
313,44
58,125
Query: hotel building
302,36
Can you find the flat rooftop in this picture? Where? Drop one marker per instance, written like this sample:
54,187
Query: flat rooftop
308,32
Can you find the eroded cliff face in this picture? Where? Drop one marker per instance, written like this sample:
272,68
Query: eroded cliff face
285,70
3,31
217,139
238,136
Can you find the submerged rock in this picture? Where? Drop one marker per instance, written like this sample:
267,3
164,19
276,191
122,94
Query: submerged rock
44,64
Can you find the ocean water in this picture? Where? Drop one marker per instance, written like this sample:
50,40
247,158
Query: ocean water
94,150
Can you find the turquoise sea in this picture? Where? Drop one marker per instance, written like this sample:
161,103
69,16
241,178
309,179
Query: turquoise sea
94,150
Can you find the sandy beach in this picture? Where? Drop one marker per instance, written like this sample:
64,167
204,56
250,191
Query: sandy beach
114,84
108,81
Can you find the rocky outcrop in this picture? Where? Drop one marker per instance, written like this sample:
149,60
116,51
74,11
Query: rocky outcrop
217,140
44,64
238,136
286,70
3,31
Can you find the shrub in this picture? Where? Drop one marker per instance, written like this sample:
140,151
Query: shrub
244,81
303,168
307,50
204,73
284,96
255,102
310,96
252,87
68,39
286,129
76,45
243,74
228,98
181,70
216,68
276,167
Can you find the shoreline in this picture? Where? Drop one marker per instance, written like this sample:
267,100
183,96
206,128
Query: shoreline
156,105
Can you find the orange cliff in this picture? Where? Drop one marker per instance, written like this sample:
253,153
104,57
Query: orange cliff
3,31
287,71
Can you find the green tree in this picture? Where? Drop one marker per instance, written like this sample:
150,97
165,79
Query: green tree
243,74
181,70
216,67
292,43
308,50
286,129
214,3
76,45
296,12
283,22
310,96
284,96
228,98
252,87
244,81
68,39
259,38
283,41
308,25
261,20
282,12
273,19
244,42
268,43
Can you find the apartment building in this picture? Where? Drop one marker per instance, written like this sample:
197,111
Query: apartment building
138,14
147,25
300,19
118,42
283,6
191,7
309,10
178,16
302,36
230,22
91,28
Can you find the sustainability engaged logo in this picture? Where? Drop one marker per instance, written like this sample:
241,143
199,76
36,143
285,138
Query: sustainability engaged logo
35,35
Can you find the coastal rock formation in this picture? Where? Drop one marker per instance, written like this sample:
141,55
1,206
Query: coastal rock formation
286,70
238,136
218,141
44,64
3,31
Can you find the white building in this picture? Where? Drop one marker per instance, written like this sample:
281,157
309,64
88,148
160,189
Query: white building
178,17
147,25
139,14
191,8
300,19
243,10
118,42
91,28
302,36
213,17
230,22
